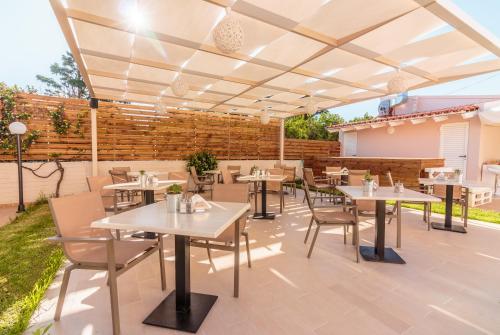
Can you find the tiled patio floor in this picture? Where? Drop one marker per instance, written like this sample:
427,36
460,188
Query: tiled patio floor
450,285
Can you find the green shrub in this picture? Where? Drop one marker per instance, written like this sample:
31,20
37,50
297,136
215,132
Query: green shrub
202,161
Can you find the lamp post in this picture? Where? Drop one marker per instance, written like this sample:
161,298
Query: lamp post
18,128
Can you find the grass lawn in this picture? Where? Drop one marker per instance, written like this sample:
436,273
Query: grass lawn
474,213
28,265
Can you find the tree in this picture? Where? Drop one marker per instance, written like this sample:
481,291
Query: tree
312,127
365,117
68,81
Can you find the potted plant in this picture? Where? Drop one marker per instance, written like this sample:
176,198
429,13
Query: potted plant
173,197
368,183
459,175
202,161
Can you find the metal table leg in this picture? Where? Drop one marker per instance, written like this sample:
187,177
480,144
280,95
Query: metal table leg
448,225
379,253
182,309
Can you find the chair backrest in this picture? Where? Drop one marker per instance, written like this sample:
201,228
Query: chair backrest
234,168
357,180
72,216
440,191
194,174
231,193
276,172
308,176
227,176
359,172
308,196
179,175
363,205
119,176
333,168
121,168
290,172
96,184
388,174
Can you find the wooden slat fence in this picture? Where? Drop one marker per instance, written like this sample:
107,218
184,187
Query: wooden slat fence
136,132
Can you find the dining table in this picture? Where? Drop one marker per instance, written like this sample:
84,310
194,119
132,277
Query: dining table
148,195
448,219
379,252
263,179
182,309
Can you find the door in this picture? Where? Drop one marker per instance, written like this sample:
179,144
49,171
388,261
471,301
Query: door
453,145
350,143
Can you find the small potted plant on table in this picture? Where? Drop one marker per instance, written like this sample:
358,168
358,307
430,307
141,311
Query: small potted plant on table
459,176
173,197
368,183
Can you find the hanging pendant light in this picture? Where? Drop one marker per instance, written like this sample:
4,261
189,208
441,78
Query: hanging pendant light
228,35
265,117
397,84
310,107
180,87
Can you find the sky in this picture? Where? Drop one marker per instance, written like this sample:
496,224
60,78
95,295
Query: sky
32,41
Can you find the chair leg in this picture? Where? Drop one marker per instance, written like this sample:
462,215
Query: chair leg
209,254
356,232
162,262
398,222
429,213
308,230
313,241
345,234
113,288
62,292
247,244
236,288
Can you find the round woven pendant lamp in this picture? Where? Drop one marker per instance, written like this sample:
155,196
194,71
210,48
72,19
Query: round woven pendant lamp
265,117
228,35
397,84
180,87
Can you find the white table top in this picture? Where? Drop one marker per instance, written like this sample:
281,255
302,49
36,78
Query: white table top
494,169
439,169
213,171
468,184
136,186
147,173
336,173
262,178
385,193
155,218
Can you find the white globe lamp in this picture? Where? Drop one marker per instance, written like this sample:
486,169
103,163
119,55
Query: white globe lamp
228,35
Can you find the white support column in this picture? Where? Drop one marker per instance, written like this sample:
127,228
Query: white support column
282,140
93,127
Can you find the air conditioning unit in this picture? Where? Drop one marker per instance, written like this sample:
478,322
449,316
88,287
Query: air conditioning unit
386,105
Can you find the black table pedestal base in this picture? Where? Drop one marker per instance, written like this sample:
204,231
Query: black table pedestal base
148,197
453,228
264,216
145,235
390,256
166,315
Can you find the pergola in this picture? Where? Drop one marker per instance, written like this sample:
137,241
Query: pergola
294,53
296,56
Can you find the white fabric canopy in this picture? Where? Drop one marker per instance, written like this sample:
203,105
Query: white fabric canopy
338,51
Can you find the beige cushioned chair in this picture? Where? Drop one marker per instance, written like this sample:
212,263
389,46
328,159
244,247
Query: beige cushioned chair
336,215
110,197
201,183
96,249
226,240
